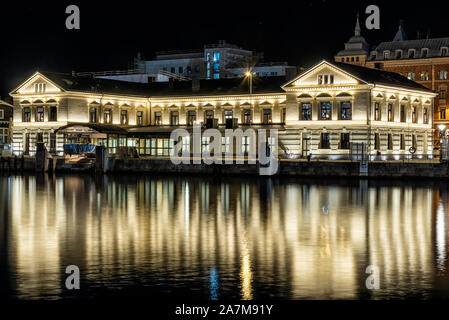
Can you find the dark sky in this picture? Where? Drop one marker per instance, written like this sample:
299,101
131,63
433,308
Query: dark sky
34,37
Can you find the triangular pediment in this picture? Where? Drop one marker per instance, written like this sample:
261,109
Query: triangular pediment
323,74
31,85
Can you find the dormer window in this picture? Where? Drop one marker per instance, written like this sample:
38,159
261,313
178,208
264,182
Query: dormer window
424,53
411,53
398,54
386,54
444,51
39,87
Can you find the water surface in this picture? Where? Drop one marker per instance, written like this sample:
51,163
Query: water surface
243,238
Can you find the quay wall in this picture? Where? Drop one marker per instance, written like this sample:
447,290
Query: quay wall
381,169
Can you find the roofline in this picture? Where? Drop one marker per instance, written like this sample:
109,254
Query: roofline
6,103
318,65
31,77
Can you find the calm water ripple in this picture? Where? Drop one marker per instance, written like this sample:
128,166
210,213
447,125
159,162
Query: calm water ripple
165,237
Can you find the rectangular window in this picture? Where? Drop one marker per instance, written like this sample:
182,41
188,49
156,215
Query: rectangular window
158,118
247,116
107,116
245,145
2,114
345,112
377,111
325,140
306,111
209,114
191,117
390,112
402,142
402,113
174,118
53,114
139,118
390,142
124,117
411,76
326,111
92,114
414,117
442,113
376,141
228,114
205,141
442,75
425,116
39,87
320,79
26,114
424,76
225,147
266,116
414,144
39,114
344,141
443,93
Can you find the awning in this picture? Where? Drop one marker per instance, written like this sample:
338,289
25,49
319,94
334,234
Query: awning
91,128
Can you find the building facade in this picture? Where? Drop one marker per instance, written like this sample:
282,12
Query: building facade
6,112
425,61
322,112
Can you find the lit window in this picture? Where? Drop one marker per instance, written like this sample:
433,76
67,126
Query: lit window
26,114
174,118
345,113
40,114
157,118
124,117
139,118
266,115
306,111
377,111
442,75
191,117
326,111
107,116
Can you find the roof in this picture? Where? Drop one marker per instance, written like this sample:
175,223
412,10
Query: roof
5,104
176,88
100,128
376,76
434,46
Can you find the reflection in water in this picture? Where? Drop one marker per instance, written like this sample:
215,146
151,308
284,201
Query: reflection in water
221,239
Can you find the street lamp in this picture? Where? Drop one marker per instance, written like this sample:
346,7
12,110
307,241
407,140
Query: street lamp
249,74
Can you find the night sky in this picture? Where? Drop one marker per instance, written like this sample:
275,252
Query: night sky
34,37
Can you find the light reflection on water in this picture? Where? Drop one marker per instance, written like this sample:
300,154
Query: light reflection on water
230,238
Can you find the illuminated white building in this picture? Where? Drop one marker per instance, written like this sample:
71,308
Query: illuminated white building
320,112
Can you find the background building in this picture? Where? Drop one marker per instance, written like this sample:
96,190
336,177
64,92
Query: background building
425,61
214,61
6,112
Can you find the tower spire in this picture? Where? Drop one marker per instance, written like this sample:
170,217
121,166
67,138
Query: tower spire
357,30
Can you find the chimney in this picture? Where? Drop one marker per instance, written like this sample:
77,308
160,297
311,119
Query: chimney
195,85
